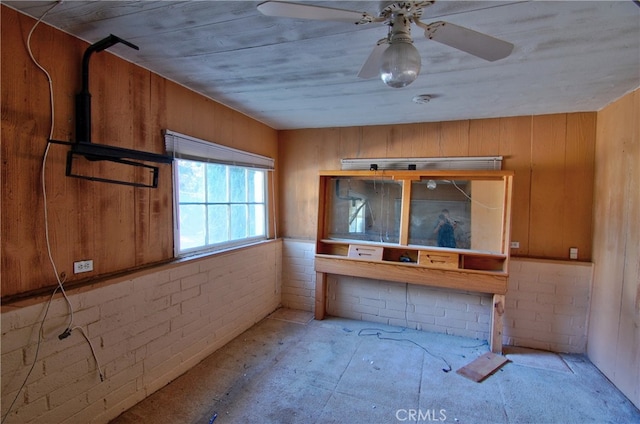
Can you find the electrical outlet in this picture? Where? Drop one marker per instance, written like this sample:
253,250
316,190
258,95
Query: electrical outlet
573,253
515,245
83,266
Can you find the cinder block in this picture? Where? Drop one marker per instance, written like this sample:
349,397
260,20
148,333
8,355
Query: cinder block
375,318
533,325
149,335
447,323
554,299
478,327
12,363
18,338
184,295
26,412
429,310
162,290
528,305
86,316
150,307
194,280
195,303
120,394
65,394
461,315
58,378
115,322
188,268
452,305
140,284
117,306
103,294
391,313
376,303
70,355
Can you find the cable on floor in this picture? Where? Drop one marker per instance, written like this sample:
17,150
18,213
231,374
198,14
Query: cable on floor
379,334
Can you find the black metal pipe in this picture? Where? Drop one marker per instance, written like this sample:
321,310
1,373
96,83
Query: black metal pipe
83,99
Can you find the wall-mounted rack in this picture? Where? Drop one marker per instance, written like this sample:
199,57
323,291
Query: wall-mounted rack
83,147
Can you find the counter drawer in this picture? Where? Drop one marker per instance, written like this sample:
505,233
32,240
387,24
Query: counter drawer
438,259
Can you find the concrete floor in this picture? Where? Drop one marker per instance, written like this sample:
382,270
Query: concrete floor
289,368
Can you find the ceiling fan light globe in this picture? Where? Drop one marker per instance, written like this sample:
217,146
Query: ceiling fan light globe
400,64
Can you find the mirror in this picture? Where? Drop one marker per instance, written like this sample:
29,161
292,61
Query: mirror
460,214
364,209
447,213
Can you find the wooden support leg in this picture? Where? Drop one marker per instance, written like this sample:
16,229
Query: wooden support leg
497,313
321,295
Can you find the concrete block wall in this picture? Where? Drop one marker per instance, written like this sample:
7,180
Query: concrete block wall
298,274
546,305
407,305
146,329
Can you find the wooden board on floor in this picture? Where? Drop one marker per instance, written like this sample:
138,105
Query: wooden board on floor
483,366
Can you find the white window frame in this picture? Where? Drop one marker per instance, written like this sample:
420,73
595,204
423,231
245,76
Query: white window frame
184,147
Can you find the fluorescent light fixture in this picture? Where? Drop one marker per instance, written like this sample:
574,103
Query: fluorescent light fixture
457,163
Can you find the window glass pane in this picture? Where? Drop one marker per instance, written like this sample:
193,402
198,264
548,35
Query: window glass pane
218,223
217,183
238,224
192,226
255,181
219,205
238,184
191,178
256,221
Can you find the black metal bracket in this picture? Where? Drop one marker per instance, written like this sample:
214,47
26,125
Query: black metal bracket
83,99
102,152
83,147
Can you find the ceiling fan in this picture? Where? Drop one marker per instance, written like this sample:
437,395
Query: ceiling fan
394,58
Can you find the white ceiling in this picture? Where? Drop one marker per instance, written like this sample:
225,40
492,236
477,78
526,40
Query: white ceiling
290,73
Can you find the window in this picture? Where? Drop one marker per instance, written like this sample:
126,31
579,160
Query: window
218,204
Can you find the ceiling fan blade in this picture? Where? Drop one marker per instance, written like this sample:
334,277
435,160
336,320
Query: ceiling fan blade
371,67
307,11
481,45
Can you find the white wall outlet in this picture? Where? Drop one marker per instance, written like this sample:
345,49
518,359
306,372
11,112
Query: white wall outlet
83,266
573,253
515,245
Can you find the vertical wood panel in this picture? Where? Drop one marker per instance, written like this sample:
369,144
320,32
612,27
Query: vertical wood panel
351,145
430,145
548,146
394,142
412,136
375,139
578,178
614,335
454,138
515,148
484,137
154,208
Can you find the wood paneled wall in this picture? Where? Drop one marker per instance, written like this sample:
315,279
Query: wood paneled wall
614,319
119,227
552,156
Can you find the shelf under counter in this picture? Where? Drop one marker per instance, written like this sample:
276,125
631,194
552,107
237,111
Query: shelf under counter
491,282
427,256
